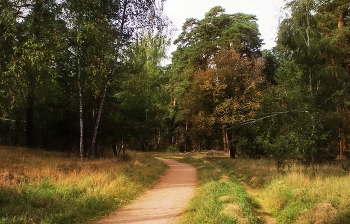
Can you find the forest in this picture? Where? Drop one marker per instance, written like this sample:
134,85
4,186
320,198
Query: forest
88,77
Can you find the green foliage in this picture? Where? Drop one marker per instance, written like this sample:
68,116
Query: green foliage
216,77
289,103
171,149
48,47
141,97
302,111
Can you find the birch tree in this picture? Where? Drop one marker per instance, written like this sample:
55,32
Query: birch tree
105,29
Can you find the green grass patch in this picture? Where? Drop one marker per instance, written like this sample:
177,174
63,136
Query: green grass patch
296,195
219,198
38,188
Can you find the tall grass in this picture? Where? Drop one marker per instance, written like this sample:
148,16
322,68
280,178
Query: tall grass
295,196
219,198
42,187
295,193
318,194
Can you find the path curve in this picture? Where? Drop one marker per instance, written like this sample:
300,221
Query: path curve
164,203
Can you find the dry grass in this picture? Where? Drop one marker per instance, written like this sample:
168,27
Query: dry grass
293,195
296,192
67,190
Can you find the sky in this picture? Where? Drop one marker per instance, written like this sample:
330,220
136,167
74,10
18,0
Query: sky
268,13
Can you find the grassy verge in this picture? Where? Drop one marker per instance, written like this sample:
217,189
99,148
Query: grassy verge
302,198
319,195
219,198
39,187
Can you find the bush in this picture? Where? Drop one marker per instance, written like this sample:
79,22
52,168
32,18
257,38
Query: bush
172,148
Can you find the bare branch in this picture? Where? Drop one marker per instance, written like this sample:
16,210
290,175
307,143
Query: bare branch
251,121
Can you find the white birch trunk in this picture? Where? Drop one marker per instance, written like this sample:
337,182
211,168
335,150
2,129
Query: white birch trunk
97,123
81,121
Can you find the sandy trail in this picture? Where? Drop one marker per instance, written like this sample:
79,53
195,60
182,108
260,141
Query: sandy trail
164,203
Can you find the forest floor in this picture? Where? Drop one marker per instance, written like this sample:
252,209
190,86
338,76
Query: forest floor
164,203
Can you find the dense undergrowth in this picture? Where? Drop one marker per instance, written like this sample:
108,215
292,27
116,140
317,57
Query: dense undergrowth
47,187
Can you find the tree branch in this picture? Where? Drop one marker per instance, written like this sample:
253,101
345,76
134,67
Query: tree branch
251,121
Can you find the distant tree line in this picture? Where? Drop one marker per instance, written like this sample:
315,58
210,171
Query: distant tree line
86,76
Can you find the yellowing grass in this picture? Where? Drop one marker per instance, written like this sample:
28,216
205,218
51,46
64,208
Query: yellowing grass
48,187
318,194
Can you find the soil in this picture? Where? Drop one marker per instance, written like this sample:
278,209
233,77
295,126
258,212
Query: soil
164,203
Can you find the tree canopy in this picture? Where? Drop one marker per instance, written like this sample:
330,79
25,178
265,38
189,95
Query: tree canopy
217,74
88,75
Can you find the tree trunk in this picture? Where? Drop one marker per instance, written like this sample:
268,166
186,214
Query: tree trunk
30,136
122,147
45,135
159,138
114,147
343,133
232,150
186,137
81,120
143,144
225,139
97,123
232,146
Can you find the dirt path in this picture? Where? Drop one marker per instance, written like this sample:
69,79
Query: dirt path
162,204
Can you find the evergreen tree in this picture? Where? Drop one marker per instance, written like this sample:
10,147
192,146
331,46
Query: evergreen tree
215,64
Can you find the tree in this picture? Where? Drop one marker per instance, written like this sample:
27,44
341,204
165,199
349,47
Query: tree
333,20
93,61
134,17
33,36
10,94
117,23
141,95
309,85
58,56
213,64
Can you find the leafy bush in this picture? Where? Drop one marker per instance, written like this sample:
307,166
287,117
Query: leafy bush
171,148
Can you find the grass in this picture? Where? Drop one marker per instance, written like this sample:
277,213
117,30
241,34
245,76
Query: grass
296,195
42,187
219,198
